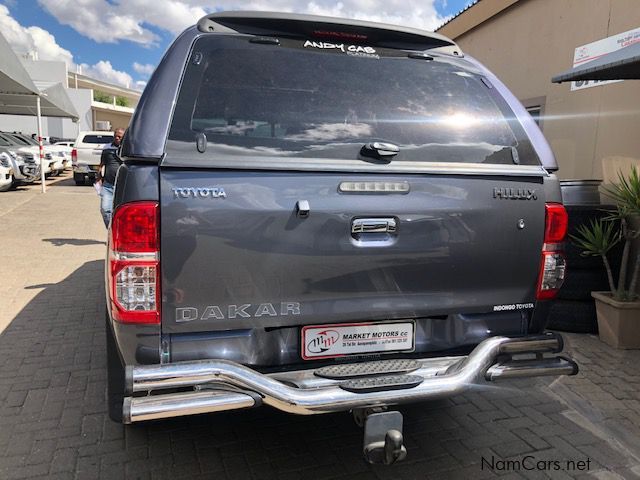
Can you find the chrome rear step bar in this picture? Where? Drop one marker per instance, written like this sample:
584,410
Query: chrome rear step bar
224,385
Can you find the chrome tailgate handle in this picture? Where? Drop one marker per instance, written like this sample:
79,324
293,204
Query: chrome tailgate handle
373,225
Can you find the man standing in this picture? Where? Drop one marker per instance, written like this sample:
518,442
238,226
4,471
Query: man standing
110,162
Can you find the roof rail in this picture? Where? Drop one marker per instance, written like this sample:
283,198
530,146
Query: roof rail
294,25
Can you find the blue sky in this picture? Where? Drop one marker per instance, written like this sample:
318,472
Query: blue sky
120,41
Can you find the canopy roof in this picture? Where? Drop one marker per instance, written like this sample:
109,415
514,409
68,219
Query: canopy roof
18,92
623,64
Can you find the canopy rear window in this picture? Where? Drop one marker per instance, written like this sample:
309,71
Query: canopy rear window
97,139
326,100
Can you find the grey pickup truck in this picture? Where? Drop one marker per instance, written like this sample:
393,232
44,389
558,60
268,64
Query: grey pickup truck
326,215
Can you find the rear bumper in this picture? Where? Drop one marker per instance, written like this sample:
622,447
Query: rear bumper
85,168
216,385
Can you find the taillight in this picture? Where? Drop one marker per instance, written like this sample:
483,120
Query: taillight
553,265
74,157
556,221
134,283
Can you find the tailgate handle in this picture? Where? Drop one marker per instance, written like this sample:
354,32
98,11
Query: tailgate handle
373,225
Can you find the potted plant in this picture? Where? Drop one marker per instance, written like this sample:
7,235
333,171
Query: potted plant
618,310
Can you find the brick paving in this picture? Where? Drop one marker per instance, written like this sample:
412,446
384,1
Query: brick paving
53,422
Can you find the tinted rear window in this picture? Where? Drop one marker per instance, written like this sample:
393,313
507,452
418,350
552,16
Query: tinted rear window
306,99
97,139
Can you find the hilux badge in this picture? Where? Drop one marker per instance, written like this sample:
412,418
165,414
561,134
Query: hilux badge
515,193
200,192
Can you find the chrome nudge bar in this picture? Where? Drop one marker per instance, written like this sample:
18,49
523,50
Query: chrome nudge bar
225,385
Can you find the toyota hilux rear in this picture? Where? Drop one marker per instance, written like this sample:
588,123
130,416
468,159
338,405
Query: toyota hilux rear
325,215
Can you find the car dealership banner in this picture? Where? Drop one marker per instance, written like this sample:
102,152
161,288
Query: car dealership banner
591,51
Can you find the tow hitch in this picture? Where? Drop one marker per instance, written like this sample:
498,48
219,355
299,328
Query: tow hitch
383,440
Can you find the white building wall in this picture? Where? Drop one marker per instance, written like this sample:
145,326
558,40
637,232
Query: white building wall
82,102
45,73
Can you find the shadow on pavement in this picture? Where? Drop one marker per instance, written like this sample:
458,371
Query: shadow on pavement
59,242
64,182
38,286
53,417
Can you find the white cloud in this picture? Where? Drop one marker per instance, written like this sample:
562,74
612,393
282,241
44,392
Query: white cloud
27,39
145,70
99,20
109,21
47,47
103,70
401,12
140,84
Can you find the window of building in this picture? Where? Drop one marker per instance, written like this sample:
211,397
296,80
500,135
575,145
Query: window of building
536,112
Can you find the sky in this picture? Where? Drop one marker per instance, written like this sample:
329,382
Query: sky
121,41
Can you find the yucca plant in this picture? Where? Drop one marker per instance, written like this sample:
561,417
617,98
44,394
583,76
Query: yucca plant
602,235
597,239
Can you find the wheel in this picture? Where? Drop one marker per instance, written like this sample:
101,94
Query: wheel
79,179
579,283
573,316
115,376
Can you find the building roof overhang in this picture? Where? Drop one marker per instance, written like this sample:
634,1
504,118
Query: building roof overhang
622,64
109,88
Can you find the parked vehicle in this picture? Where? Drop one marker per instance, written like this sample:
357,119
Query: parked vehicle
58,154
86,155
60,141
60,151
30,152
325,215
45,140
67,148
25,169
6,173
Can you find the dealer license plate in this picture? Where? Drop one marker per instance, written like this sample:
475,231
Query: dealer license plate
326,341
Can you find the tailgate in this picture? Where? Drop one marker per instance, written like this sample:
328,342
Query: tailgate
90,156
236,253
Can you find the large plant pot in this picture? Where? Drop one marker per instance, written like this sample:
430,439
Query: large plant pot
618,322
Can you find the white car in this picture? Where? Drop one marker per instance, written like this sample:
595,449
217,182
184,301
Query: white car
26,159
6,172
86,155
31,152
66,148
23,170
62,158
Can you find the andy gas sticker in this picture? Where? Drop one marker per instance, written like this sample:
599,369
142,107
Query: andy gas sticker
349,49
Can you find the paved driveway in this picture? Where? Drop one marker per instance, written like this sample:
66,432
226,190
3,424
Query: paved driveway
52,392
